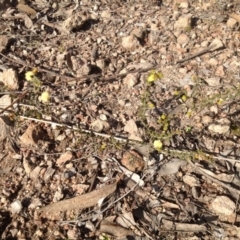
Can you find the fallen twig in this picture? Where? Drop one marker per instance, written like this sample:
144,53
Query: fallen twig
40,69
186,227
206,50
16,100
100,77
79,129
235,16
214,179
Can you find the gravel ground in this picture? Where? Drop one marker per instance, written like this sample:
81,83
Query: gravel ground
119,119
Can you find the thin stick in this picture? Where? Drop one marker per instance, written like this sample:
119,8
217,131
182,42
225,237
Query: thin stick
79,129
206,50
16,100
84,78
235,211
214,179
206,154
105,209
41,69
225,159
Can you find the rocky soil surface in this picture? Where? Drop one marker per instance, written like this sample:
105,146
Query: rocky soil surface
120,119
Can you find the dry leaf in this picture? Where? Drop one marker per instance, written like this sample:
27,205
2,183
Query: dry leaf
169,205
171,167
67,156
132,129
27,9
4,42
82,201
4,127
235,16
220,176
126,219
31,135
27,166
27,20
108,226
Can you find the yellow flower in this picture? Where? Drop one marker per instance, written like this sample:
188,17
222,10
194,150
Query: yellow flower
189,113
220,101
184,97
163,117
31,77
151,105
176,93
103,146
153,76
157,144
45,96
165,126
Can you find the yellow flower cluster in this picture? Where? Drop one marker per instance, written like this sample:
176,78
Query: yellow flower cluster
45,97
30,76
154,75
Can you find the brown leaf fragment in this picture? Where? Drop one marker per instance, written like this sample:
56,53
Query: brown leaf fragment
34,174
171,167
216,44
27,20
108,226
82,201
126,219
7,163
4,42
235,16
5,125
67,156
26,9
31,135
225,177
169,205
132,129
27,166
49,172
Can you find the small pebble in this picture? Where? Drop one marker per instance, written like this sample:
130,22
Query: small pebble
16,207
